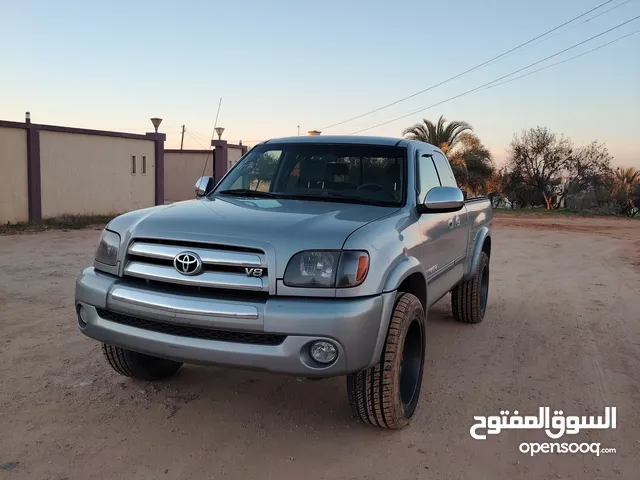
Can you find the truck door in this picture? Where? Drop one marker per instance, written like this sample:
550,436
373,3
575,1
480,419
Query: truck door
433,250
457,222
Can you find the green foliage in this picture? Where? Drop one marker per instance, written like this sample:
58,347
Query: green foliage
627,190
544,168
471,161
536,157
472,164
445,137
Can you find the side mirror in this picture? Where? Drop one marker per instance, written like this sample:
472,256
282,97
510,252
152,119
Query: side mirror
442,200
204,185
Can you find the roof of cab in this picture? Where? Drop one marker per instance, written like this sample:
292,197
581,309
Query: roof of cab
348,139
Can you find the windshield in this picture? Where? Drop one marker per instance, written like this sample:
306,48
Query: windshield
331,172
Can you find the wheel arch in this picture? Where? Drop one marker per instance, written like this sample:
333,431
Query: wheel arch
481,243
408,276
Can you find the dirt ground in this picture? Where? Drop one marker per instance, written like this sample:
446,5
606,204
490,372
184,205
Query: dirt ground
562,330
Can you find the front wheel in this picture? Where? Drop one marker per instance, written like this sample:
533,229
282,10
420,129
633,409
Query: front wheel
138,365
386,395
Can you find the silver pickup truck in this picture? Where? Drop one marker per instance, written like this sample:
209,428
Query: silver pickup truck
314,256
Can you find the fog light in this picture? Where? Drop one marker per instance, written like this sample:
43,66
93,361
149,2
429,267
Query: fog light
82,316
323,352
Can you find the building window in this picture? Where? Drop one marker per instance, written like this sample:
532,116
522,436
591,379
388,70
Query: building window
144,164
133,164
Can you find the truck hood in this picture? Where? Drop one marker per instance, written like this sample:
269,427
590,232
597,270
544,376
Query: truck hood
281,227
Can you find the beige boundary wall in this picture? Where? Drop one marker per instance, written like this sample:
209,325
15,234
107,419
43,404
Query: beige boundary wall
94,174
182,168
14,194
49,170
234,155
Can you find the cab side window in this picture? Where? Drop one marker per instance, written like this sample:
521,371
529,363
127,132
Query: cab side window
427,175
444,170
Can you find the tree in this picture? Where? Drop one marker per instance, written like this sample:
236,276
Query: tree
518,191
262,170
625,178
627,190
494,188
537,157
634,198
444,137
587,170
470,161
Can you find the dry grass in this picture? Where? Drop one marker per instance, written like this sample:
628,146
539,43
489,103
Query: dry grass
542,212
63,222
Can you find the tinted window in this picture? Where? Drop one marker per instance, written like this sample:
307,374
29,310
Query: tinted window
257,173
428,176
444,170
370,172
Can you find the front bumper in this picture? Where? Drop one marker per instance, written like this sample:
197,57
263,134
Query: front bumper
357,327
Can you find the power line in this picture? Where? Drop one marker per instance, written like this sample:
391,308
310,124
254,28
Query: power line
199,135
577,25
498,79
563,61
196,140
467,71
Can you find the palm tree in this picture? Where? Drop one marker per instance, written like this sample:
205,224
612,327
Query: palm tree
625,178
472,163
439,135
627,181
470,160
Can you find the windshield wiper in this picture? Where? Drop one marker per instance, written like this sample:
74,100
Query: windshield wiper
245,192
337,197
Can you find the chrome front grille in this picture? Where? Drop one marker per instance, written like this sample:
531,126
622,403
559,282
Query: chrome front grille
222,267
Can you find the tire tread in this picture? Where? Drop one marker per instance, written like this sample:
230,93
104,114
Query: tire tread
373,393
465,297
129,364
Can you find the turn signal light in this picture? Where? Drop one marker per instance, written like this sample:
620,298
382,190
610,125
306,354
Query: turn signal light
354,266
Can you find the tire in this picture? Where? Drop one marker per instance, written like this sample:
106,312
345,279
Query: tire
469,299
138,365
386,395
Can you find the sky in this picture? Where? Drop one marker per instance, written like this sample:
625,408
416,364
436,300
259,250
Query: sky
281,64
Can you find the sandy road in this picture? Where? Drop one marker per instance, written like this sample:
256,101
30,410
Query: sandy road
562,330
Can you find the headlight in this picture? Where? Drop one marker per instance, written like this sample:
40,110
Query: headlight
327,269
107,251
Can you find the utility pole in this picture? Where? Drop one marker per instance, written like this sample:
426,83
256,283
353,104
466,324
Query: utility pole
182,139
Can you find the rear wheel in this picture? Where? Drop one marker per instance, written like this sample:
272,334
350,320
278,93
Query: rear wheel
386,395
138,365
469,299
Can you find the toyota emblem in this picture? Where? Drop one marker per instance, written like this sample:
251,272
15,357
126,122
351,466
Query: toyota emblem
187,263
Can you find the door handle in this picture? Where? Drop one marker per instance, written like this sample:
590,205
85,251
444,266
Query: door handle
450,223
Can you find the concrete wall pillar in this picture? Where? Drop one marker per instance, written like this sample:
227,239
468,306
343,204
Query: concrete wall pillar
34,181
220,158
159,139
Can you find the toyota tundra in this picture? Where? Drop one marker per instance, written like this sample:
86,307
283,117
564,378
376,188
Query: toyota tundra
313,256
